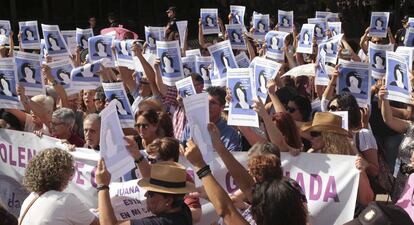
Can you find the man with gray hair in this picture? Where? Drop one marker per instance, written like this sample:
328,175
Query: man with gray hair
61,127
91,130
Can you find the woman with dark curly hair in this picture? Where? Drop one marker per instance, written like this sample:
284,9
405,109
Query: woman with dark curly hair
47,175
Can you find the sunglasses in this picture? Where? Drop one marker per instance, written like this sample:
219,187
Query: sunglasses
315,134
141,125
290,109
333,108
151,160
150,194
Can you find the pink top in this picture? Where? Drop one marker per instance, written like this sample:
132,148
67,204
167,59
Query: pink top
407,197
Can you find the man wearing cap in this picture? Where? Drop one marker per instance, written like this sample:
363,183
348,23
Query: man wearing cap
400,34
171,30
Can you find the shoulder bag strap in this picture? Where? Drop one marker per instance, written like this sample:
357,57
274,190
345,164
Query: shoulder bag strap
27,209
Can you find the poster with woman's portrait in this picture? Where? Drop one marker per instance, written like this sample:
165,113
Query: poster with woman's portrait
205,67
223,57
408,54
330,47
193,52
235,35
409,37
321,73
261,25
189,65
8,81
242,60
335,28
69,36
123,53
54,42
61,73
152,35
241,84
116,91
185,87
5,29
379,24
397,78
28,72
377,56
275,41
355,78
305,44
285,20
86,77
29,35
332,17
264,70
209,23
100,48
169,53
237,14
320,28
82,36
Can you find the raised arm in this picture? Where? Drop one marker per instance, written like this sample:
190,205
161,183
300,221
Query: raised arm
143,165
279,107
201,40
11,44
37,109
60,90
147,68
391,37
162,88
363,42
329,90
394,123
106,212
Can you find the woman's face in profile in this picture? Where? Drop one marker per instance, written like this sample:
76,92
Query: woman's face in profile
166,61
378,60
28,33
225,61
52,41
151,40
209,20
101,47
4,84
398,74
379,23
186,70
28,72
262,81
84,42
354,81
306,37
203,71
240,94
64,76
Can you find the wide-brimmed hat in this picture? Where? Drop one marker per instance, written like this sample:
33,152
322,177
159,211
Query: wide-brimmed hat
167,177
326,122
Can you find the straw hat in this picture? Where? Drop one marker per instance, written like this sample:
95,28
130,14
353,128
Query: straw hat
167,177
326,122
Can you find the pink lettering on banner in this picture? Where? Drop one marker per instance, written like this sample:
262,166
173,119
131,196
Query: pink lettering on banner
330,191
315,180
301,182
79,180
230,185
81,171
22,155
3,153
12,162
93,173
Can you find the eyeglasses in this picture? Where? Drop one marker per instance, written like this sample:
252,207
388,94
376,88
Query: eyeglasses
141,125
290,109
315,134
333,108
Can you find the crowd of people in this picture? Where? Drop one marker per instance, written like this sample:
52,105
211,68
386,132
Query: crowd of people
378,135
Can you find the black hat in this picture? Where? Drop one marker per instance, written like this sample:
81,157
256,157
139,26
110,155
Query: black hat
377,213
172,8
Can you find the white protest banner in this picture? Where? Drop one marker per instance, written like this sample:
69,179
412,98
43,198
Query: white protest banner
5,29
29,35
171,67
377,57
69,36
86,77
209,23
61,73
321,74
306,39
241,83
54,42
397,79
260,25
235,34
82,36
355,78
8,81
320,28
152,35
275,41
116,91
197,113
118,161
242,60
123,53
285,20
28,72
379,24
407,53
100,48
128,200
189,66
409,37
204,67
237,14
185,87
194,52
330,47
17,148
264,70
182,31
335,27
223,57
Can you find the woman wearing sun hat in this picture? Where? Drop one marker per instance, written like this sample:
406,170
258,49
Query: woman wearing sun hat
165,187
328,137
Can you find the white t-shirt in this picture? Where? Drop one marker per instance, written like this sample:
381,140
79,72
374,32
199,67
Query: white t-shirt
366,140
56,208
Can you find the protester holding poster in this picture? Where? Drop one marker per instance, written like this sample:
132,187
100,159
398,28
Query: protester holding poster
209,21
285,20
29,35
377,58
355,79
171,67
82,36
55,44
260,25
100,48
379,24
306,37
8,81
28,72
397,78
116,91
236,15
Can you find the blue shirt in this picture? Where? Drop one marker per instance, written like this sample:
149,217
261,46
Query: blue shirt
230,138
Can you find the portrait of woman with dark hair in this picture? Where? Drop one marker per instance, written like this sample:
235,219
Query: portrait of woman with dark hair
261,27
167,63
87,71
329,48
84,42
209,21
262,82
236,18
224,61
186,70
379,23
398,77
306,38
318,31
53,43
353,83
235,37
123,48
3,30
378,61
29,35
204,72
63,76
334,31
241,96
151,40
119,105
28,74
5,88
100,49
274,43
285,22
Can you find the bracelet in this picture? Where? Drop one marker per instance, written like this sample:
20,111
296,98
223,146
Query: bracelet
203,172
137,161
102,187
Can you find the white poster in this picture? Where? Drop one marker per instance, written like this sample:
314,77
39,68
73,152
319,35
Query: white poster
409,37
376,53
204,66
30,38
264,70
237,14
69,36
61,73
169,53
189,65
379,24
407,53
223,57
185,87
321,73
242,60
320,28
54,42
29,72
116,91
86,77
235,34
275,42
209,23
330,47
305,44
100,48
335,27
82,36
152,35
5,29
260,25
8,81
397,78
124,54
194,52
182,31
285,20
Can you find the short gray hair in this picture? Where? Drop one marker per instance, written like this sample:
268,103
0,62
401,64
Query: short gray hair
92,117
65,115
